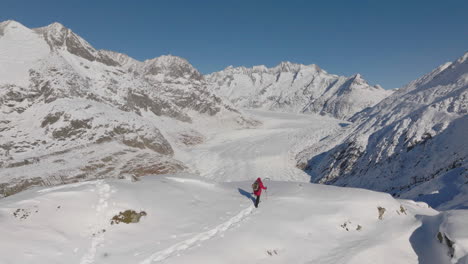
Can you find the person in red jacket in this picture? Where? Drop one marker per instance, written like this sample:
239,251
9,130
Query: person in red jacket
257,188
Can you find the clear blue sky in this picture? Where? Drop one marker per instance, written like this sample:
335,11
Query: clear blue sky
388,42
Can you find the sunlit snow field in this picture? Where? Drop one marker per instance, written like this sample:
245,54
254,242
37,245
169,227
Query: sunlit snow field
208,216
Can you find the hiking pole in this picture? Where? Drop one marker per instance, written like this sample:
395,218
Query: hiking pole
266,191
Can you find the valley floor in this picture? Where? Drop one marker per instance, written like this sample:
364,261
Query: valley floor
267,151
211,219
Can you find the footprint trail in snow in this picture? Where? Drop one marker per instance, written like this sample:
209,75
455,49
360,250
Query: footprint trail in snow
104,191
186,244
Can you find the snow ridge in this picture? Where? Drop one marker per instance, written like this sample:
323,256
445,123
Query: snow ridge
413,137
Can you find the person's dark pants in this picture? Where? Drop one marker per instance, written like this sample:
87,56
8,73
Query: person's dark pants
257,201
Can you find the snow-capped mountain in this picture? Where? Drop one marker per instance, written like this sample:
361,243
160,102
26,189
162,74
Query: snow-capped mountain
413,143
69,112
296,88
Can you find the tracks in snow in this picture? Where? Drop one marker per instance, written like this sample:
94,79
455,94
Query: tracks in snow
186,244
104,191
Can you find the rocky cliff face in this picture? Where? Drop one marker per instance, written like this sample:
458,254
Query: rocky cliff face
296,88
416,136
108,114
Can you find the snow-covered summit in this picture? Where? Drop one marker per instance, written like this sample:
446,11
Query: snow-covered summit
20,49
59,37
287,66
173,66
9,25
13,30
55,28
357,82
298,88
445,74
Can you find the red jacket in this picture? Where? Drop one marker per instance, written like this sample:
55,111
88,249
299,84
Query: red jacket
261,186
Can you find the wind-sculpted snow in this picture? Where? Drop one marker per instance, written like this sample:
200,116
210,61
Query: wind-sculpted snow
59,96
416,135
296,88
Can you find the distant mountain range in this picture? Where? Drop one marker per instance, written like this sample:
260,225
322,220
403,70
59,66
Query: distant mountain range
296,88
69,112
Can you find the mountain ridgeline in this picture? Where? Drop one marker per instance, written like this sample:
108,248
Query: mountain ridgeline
296,88
69,112
412,144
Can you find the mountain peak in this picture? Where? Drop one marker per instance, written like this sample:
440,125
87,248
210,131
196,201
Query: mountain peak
54,32
287,66
57,37
60,37
172,66
315,67
463,58
54,27
358,81
446,73
357,76
285,63
10,25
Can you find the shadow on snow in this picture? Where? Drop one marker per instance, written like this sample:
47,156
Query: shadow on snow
425,244
246,194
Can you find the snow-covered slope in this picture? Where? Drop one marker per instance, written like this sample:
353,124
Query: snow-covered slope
417,136
296,88
188,220
109,114
19,49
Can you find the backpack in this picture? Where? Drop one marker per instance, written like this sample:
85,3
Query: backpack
255,186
